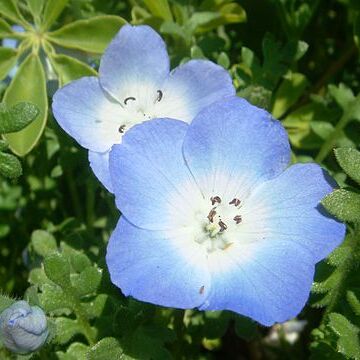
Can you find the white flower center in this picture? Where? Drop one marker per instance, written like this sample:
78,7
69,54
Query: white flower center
140,108
222,218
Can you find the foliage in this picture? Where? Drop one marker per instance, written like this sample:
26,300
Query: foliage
297,58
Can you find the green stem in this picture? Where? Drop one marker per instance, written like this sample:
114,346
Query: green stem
179,328
330,141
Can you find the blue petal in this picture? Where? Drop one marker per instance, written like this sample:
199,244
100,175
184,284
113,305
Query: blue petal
269,282
84,111
193,86
234,140
99,163
151,182
137,55
288,207
149,266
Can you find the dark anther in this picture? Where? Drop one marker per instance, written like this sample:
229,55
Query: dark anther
235,202
201,291
160,95
128,99
211,215
222,225
227,246
215,199
238,219
122,129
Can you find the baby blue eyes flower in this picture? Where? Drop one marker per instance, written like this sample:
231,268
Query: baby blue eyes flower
23,328
135,84
213,217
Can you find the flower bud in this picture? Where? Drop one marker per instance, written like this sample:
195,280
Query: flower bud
23,328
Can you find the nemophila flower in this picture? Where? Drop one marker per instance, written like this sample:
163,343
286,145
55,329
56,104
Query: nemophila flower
214,219
134,84
23,328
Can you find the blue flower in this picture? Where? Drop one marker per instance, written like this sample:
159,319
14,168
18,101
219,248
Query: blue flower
134,84
214,218
23,328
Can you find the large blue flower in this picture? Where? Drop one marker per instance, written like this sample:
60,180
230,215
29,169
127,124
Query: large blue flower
134,84
214,219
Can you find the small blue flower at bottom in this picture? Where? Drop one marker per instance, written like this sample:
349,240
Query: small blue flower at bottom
213,217
23,328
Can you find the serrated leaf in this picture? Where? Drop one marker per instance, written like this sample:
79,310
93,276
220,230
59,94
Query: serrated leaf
10,166
92,35
79,261
68,68
354,302
29,84
66,329
107,348
53,299
5,302
88,281
348,343
349,160
8,58
17,117
43,243
57,269
342,94
343,204
76,351
52,11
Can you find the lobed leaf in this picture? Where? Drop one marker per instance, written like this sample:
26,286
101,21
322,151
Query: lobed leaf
349,160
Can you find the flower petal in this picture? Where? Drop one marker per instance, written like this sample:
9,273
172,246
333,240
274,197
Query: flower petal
99,163
269,282
287,209
232,145
193,86
84,111
151,181
149,266
136,56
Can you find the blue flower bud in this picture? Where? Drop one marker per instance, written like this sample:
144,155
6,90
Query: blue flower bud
23,328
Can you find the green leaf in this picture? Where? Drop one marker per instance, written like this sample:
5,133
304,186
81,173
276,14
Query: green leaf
343,204
288,93
43,243
17,117
69,68
66,329
29,84
52,11
159,8
5,302
36,7
348,343
57,269
10,166
87,281
92,35
107,348
8,59
53,299
5,29
10,10
349,160
245,328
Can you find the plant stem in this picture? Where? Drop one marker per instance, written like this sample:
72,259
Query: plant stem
179,330
330,141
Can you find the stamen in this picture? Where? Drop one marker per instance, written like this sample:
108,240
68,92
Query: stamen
222,225
128,99
201,291
238,219
215,199
160,95
227,246
235,202
122,129
211,215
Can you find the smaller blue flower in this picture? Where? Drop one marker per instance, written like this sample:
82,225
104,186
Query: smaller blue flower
213,217
134,85
23,328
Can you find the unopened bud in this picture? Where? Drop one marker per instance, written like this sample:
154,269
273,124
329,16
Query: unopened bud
23,328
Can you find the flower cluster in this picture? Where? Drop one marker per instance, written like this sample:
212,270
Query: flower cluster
213,217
